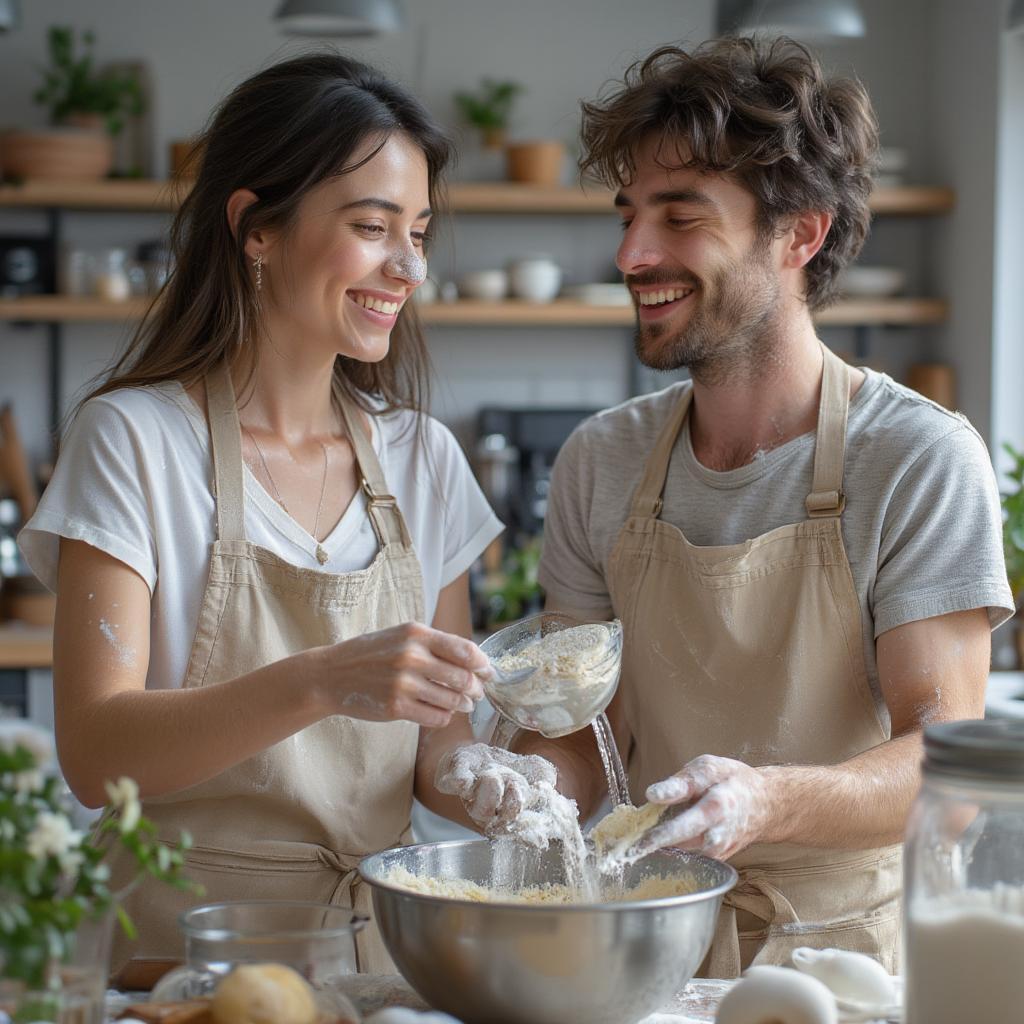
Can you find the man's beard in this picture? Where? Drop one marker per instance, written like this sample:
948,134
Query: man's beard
733,327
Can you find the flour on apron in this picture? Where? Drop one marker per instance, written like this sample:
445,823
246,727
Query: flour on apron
753,651
293,821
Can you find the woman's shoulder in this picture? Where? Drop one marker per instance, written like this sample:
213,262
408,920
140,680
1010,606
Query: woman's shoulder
138,412
405,429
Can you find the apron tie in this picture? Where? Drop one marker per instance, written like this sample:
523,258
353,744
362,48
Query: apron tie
754,895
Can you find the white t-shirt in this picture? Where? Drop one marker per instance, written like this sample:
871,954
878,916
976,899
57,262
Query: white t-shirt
134,479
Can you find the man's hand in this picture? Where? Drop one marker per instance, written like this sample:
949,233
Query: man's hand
493,784
729,808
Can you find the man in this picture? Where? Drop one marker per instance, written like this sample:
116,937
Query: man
806,557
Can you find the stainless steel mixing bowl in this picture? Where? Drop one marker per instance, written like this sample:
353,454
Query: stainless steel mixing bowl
507,963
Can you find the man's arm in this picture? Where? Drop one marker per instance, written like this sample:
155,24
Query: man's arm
930,671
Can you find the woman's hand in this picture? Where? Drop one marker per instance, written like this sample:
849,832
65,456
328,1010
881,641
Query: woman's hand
493,784
409,672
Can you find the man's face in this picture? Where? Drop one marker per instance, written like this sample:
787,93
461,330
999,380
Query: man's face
705,284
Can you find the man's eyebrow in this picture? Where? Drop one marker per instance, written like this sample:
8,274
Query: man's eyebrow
683,195
383,204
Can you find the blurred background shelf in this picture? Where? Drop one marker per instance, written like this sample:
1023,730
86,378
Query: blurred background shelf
465,197
23,647
561,313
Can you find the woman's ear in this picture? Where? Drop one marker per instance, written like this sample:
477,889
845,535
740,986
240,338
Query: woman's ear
238,202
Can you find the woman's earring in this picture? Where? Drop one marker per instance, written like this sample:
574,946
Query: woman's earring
258,267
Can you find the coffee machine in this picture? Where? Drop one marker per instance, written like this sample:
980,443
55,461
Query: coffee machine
513,457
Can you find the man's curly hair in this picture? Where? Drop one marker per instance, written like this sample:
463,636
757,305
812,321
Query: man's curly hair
762,111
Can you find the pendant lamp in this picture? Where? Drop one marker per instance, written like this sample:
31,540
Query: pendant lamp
9,15
340,17
812,21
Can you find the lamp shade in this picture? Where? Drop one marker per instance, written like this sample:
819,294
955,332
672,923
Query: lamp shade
340,17
812,21
9,15
1015,19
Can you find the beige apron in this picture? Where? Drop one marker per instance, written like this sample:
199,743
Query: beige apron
753,651
293,821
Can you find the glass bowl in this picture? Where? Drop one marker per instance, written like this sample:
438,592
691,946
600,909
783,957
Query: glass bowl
316,939
557,698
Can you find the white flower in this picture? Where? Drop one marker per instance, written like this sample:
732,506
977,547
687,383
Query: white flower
52,836
124,797
71,863
26,783
15,732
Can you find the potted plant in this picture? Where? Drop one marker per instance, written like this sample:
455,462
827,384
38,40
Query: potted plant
57,910
1013,536
488,109
87,108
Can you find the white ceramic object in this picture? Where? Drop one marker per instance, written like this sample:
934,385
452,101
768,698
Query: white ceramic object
535,278
598,294
777,995
485,285
872,282
852,977
427,292
1004,697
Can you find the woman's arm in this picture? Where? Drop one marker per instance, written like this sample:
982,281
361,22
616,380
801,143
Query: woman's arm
108,724
452,616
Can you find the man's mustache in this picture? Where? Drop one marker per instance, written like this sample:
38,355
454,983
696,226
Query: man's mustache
653,277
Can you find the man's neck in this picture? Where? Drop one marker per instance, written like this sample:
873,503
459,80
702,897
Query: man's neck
755,408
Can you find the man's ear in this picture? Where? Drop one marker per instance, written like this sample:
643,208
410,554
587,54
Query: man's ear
806,235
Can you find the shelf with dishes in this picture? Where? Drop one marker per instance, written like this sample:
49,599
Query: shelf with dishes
504,313
464,197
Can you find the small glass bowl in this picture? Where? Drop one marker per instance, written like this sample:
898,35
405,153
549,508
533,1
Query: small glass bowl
560,706
315,939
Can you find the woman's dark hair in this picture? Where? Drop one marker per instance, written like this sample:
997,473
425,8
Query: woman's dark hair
279,134
762,111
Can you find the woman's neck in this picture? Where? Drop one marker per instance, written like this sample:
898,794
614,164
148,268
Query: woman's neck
288,393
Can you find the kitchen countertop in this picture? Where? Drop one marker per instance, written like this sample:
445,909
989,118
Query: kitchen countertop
696,1003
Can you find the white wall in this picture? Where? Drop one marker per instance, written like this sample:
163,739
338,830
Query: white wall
1008,346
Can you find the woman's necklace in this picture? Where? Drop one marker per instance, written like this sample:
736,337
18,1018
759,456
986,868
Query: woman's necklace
321,554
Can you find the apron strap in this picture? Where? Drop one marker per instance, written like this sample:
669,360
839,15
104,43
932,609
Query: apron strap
226,444
827,498
647,500
385,516
758,897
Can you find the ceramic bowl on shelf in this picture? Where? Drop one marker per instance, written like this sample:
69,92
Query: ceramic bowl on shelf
535,278
484,285
598,294
872,282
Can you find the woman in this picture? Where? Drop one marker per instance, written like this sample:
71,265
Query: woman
251,520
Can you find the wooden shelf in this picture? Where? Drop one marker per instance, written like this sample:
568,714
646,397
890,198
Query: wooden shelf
466,197
24,646
562,313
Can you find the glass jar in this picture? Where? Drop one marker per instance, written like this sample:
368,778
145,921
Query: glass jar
316,939
111,279
964,877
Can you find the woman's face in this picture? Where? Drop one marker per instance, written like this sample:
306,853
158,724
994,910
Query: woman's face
336,280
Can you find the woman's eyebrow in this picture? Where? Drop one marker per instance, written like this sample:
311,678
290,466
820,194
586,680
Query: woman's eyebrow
383,204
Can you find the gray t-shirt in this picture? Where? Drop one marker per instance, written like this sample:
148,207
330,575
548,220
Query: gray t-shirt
922,524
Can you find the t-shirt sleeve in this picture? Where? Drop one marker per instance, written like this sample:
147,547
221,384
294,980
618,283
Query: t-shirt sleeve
469,522
941,547
570,570
98,494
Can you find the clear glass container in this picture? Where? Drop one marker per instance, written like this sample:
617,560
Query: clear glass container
550,700
316,939
964,877
110,279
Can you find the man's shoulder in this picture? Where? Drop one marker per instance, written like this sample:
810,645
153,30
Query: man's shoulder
896,419
629,429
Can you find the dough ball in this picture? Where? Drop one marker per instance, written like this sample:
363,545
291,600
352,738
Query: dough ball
264,994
